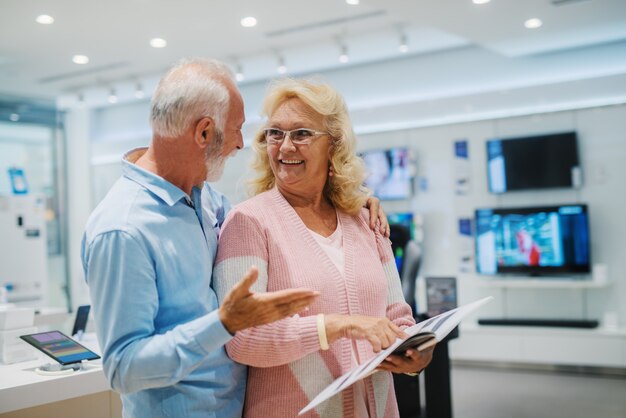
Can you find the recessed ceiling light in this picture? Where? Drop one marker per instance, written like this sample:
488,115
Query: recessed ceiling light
353,2
248,22
158,43
80,59
533,23
480,1
44,19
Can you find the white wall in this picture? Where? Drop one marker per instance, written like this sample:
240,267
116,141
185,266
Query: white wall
603,157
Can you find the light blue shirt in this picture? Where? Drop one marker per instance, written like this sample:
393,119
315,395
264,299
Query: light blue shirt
148,253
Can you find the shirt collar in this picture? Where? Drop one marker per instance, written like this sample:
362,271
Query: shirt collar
157,185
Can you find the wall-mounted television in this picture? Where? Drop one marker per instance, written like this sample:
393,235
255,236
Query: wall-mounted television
533,240
534,162
389,173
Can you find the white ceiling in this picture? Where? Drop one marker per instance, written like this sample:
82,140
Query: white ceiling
36,60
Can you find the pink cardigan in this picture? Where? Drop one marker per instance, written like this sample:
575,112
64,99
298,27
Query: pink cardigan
287,368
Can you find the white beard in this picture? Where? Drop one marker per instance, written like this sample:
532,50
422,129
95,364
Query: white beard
215,168
214,159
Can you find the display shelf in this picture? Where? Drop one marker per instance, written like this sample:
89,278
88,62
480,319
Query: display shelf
533,283
599,347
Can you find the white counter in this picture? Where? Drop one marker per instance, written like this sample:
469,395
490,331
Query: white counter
21,387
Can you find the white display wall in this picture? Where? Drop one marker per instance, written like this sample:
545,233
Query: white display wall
411,102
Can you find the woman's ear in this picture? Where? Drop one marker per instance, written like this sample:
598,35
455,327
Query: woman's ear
204,131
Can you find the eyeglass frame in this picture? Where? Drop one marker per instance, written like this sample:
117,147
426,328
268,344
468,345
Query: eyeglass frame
287,134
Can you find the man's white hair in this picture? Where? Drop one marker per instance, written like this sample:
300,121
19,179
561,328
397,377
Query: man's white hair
192,89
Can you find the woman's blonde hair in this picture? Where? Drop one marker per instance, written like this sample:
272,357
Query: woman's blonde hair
345,188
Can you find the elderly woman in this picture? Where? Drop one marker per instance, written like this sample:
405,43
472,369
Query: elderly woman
306,228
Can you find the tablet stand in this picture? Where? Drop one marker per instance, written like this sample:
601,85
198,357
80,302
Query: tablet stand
56,369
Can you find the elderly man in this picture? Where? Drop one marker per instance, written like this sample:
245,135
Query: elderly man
148,254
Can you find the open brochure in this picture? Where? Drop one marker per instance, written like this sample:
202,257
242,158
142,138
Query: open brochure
421,336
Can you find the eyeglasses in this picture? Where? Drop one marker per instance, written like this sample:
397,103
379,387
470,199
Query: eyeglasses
300,136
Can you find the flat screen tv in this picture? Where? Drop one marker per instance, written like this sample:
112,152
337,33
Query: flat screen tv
533,241
389,173
402,229
534,162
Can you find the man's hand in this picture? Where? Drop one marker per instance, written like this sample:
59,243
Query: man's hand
377,214
244,309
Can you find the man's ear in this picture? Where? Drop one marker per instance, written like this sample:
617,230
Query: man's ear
204,131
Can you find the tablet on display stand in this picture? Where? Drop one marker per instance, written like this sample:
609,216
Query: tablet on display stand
68,353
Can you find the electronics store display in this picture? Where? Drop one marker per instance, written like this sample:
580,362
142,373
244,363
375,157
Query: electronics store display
60,347
533,241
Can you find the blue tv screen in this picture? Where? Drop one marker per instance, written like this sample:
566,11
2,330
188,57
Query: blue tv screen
533,240
402,230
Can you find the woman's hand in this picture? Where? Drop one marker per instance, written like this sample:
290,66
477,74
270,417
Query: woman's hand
380,332
412,361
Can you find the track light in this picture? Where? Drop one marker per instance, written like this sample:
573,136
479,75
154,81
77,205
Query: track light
282,68
403,47
239,76
112,96
343,56
139,94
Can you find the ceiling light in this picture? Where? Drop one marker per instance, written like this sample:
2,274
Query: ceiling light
239,73
248,22
44,20
158,43
480,1
139,94
533,23
282,68
343,56
80,59
112,96
353,2
403,47
14,117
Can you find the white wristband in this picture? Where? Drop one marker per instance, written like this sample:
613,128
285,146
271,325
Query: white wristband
321,332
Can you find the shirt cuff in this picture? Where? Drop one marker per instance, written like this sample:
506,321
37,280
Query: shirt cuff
210,332
308,333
